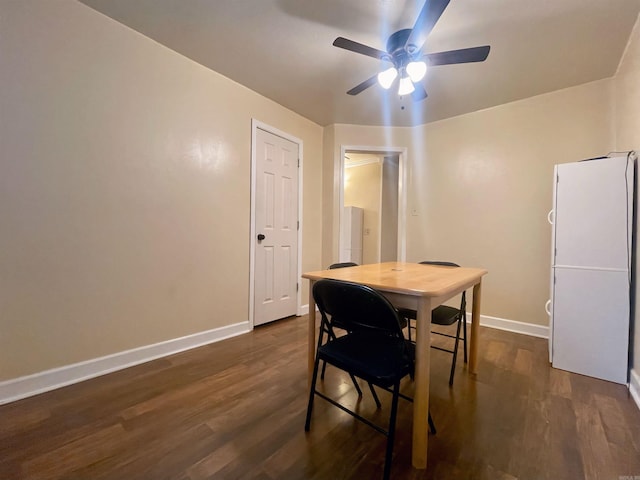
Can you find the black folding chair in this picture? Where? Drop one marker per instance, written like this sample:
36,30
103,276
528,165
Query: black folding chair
332,336
374,347
445,315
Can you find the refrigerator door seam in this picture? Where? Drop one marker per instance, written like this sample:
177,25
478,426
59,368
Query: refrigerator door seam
601,269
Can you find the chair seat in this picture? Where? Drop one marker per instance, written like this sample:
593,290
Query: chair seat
381,362
445,315
441,315
403,322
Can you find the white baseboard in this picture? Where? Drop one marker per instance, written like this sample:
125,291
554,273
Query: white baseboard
634,386
22,387
531,329
27,386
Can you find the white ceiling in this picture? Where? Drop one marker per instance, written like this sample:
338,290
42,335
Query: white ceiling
283,49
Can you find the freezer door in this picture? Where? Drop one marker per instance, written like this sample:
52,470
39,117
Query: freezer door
591,323
592,213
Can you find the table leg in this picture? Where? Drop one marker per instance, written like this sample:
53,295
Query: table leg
475,328
311,355
422,373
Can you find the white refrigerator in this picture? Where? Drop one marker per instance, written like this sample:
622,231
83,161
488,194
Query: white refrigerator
351,234
591,267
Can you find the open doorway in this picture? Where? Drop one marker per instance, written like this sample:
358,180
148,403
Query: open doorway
372,205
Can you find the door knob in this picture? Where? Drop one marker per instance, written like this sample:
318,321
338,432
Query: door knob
261,237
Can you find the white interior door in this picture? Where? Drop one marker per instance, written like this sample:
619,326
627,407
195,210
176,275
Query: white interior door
276,227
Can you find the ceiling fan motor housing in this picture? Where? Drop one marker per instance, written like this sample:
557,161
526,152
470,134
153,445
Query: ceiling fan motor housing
400,56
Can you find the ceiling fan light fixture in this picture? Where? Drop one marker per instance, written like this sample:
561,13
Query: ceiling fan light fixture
416,70
406,86
386,77
405,51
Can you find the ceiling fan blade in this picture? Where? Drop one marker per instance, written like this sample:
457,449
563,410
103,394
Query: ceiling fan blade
360,48
464,55
363,86
429,15
419,93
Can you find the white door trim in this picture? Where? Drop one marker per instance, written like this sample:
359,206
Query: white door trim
402,191
380,180
255,125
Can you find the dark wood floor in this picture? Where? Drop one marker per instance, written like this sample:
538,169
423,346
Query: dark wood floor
235,409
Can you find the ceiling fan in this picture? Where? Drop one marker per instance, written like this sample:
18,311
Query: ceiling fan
404,52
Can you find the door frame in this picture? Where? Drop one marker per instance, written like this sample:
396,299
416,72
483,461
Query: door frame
255,125
402,191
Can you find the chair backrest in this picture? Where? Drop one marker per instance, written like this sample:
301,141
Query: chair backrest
463,302
358,307
342,265
335,322
442,264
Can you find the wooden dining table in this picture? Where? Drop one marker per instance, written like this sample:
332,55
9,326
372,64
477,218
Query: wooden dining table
418,287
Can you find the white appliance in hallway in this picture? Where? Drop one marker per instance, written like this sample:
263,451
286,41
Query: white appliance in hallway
591,267
351,232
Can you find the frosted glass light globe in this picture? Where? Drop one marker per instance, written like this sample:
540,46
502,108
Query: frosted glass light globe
416,71
386,78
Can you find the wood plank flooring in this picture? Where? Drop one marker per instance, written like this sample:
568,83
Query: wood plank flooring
235,410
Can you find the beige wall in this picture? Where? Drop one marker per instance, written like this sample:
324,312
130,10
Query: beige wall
481,187
362,185
125,189
627,129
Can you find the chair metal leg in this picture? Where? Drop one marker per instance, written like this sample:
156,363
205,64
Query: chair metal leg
312,392
392,431
324,329
355,384
432,426
375,396
332,336
455,352
464,333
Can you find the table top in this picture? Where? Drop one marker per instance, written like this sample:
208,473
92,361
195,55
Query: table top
406,278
